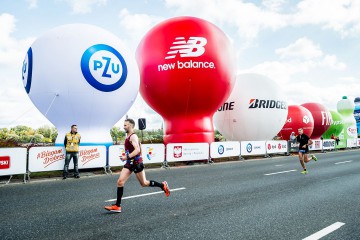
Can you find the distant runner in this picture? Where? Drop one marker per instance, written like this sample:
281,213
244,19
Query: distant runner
304,142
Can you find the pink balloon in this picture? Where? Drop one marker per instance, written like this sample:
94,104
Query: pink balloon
298,117
322,118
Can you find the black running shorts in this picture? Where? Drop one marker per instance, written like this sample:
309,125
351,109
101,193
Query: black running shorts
136,167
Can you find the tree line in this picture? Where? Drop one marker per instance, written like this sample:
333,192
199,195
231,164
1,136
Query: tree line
24,135
20,135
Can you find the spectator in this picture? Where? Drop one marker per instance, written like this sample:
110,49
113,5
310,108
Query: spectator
292,136
71,143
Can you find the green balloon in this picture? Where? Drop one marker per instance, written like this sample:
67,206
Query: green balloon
336,126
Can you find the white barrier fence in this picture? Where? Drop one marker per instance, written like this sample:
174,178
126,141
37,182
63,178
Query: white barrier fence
249,148
14,161
328,144
53,158
276,147
151,153
186,151
224,149
351,143
317,145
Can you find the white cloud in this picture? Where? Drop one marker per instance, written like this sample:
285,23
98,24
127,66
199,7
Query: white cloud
32,4
12,51
307,74
273,5
84,6
341,16
305,55
302,48
248,18
15,106
300,57
328,97
332,62
137,25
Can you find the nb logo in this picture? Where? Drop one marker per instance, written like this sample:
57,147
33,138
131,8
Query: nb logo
104,68
194,47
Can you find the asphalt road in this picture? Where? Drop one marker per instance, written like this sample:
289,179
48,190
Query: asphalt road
252,199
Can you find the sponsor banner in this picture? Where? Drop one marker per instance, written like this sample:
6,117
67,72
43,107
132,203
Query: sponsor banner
293,146
276,146
115,151
351,143
317,145
187,151
358,142
53,158
12,161
153,153
91,157
352,131
224,149
252,148
329,144
47,159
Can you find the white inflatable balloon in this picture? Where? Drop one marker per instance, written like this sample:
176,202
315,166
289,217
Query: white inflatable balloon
81,74
256,110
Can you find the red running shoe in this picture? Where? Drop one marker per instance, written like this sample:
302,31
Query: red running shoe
113,208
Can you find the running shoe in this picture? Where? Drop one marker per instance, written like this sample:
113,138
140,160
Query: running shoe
313,157
113,208
166,189
304,172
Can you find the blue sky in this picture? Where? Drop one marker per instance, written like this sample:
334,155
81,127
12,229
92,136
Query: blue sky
310,47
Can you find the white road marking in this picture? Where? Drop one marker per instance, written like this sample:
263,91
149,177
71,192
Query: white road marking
268,174
280,165
325,231
146,194
343,162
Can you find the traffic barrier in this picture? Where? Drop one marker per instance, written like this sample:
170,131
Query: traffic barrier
328,144
351,143
275,147
224,149
187,151
151,153
248,148
12,162
46,159
53,158
15,161
316,146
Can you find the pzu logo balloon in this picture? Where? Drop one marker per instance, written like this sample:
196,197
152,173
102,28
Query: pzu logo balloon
79,74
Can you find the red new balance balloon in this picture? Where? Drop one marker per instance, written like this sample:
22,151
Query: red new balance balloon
187,71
